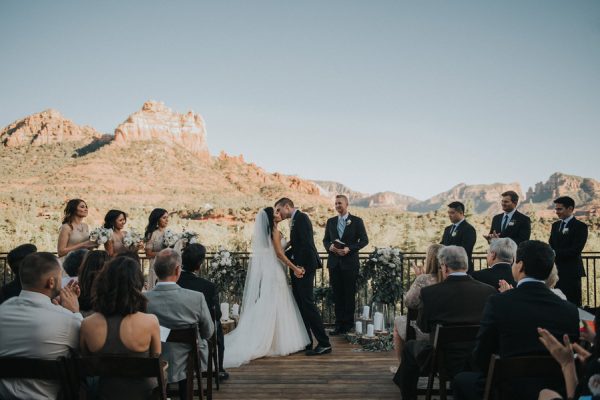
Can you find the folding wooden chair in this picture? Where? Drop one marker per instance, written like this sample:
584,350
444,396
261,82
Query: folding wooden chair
411,316
114,366
189,336
504,370
444,336
35,368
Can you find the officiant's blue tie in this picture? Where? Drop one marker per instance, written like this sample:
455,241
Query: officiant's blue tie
504,222
340,227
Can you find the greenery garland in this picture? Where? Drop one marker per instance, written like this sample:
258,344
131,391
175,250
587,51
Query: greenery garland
378,343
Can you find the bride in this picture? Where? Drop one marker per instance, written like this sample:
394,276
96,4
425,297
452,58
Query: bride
270,323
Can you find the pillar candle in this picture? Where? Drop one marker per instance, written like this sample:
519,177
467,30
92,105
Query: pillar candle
365,313
235,310
358,327
224,311
370,330
378,321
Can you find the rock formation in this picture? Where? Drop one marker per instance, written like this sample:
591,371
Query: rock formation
582,190
386,199
45,128
156,121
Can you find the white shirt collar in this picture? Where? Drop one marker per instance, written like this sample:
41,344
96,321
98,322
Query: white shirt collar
34,296
459,222
510,214
294,213
165,283
528,279
567,220
458,274
344,217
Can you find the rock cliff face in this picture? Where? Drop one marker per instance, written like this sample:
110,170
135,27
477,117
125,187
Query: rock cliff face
330,189
46,127
157,121
483,199
386,199
582,190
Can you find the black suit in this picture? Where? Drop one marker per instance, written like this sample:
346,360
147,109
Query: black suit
464,236
568,247
509,329
11,289
303,253
458,300
518,227
494,274
343,270
190,281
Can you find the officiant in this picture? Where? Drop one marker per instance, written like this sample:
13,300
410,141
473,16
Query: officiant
345,235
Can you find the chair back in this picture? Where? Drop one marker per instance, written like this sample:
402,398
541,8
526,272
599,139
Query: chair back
504,370
35,368
189,335
115,366
411,315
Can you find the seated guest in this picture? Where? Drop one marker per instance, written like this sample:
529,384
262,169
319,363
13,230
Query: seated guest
33,327
412,299
510,321
458,300
500,257
551,282
192,259
91,266
120,326
176,308
14,258
71,265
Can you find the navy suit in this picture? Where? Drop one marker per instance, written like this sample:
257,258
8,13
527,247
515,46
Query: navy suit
464,236
517,229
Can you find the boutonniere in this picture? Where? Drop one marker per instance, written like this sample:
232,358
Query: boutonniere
511,223
565,231
453,234
348,222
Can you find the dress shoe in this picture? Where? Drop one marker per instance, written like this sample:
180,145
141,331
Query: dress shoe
308,347
319,350
223,375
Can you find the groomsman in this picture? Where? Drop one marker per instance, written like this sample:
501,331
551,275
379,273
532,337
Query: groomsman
344,236
460,233
567,238
511,223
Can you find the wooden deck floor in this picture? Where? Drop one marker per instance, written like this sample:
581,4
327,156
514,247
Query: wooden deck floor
343,374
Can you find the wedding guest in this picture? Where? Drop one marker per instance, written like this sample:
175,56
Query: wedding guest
511,223
567,238
177,307
71,265
33,327
550,284
115,220
121,326
74,234
345,235
431,275
458,300
510,321
460,233
500,257
90,267
192,259
154,237
14,259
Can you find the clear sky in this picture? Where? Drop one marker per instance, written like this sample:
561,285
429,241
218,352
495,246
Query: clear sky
408,96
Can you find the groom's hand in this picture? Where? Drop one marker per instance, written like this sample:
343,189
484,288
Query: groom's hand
299,273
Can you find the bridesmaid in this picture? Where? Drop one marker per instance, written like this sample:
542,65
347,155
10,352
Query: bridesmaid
154,235
115,220
74,234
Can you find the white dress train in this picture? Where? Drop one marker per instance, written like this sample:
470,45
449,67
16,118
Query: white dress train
270,323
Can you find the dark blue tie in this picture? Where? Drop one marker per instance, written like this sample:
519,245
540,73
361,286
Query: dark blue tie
504,222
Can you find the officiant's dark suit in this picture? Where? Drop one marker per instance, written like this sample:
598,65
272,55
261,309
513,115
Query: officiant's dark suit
304,253
568,242
518,228
462,235
343,270
458,300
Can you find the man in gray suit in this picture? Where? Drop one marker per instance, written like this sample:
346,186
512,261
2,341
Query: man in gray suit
175,308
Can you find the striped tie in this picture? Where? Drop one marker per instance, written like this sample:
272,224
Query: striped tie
340,227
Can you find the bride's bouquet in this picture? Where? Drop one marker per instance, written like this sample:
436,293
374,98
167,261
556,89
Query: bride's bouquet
100,235
132,239
170,238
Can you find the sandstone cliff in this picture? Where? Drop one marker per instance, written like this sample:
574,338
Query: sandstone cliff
583,190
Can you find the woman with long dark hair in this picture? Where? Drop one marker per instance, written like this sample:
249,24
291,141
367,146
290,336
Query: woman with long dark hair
154,237
74,234
120,326
115,220
90,267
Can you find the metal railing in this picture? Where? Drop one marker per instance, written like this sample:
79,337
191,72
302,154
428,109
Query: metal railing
590,283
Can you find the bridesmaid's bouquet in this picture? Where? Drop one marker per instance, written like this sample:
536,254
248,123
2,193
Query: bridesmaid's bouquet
170,238
189,237
132,239
100,235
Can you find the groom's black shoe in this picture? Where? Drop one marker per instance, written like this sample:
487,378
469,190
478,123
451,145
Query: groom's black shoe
308,347
319,350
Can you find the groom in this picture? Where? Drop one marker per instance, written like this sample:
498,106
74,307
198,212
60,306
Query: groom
304,254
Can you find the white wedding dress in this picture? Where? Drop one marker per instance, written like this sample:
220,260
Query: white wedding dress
270,323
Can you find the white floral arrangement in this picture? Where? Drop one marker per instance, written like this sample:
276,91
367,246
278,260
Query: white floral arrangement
383,269
132,238
101,235
170,238
189,237
228,273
